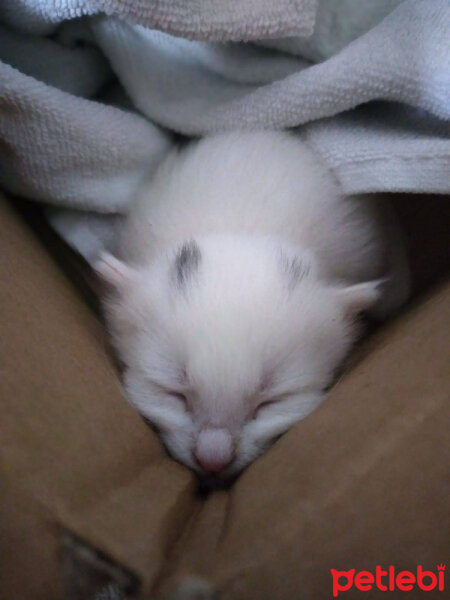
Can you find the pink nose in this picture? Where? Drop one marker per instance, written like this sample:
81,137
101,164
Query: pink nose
212,466
214,449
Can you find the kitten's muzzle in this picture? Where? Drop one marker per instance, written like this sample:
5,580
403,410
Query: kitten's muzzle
214,449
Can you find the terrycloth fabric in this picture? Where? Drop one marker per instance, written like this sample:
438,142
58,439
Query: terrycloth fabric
79,70
62,149
218,20
338,22
386,148
187,86
77,152
406,58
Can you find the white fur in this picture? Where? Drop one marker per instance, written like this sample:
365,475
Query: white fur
265,310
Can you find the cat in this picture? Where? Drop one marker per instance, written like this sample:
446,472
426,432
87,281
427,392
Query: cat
242,270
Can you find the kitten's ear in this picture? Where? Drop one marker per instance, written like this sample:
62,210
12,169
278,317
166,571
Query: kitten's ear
114,272
360,297
125,305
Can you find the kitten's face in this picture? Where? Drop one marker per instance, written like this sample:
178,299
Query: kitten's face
227,343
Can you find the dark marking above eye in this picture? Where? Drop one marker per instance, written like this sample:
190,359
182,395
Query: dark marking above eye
295,268
187,261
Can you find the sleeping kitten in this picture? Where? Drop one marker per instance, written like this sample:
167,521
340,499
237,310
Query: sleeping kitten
243,271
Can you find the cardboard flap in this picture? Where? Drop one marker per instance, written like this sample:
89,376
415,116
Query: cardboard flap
363,481
70,441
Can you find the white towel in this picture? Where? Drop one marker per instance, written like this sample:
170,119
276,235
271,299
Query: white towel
338,22
385,148
406,58
79,70
80,153
217,20
66,150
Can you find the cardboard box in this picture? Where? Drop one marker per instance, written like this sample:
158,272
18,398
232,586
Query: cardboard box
89,495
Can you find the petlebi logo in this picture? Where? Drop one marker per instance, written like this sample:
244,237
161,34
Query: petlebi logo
389,580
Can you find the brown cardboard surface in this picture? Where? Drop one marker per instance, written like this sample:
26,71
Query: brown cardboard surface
29,536
69,440
362,481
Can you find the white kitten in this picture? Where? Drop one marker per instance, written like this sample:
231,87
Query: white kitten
244,272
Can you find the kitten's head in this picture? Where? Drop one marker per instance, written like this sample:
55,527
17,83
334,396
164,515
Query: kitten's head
227,342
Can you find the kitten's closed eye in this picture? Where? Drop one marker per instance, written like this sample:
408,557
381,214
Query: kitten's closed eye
282,399
181,397
262,406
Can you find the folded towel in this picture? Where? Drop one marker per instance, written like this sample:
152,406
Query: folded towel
385,148
406,58
184,82
217,20
85,154
79,70
71,151
338,22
